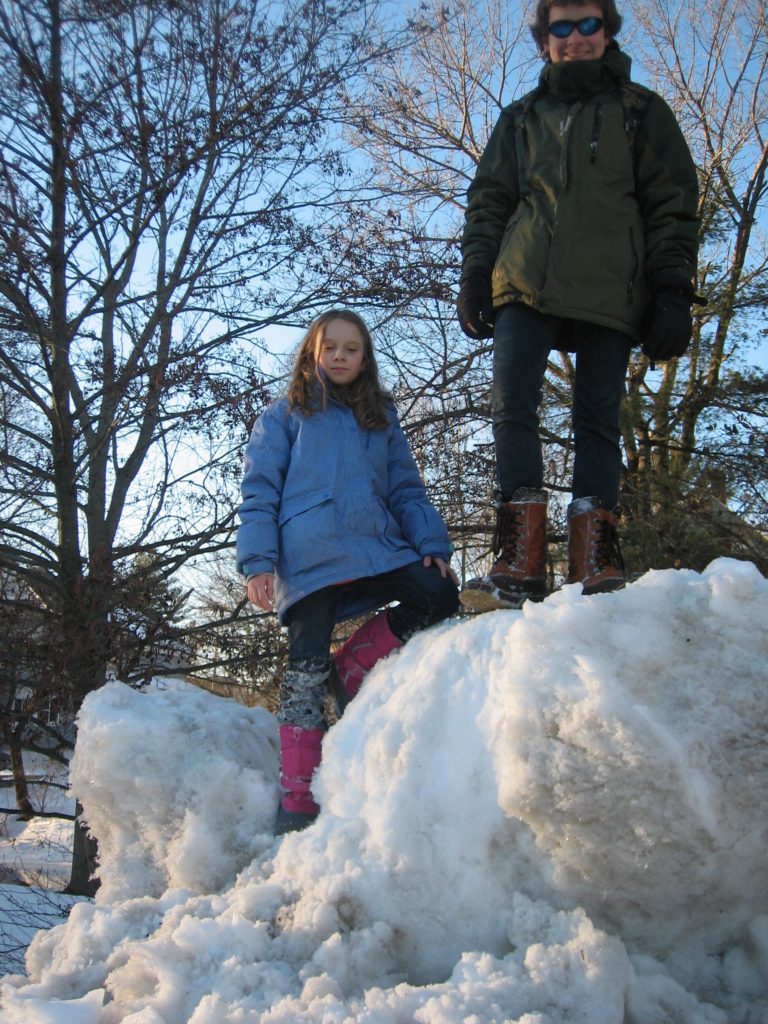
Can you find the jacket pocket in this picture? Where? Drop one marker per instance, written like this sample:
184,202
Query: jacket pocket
299,503
308,536
387,528
521,266
512,222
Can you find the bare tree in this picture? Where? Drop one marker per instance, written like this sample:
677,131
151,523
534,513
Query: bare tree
167,179
424,125
695,431
239,650
163,169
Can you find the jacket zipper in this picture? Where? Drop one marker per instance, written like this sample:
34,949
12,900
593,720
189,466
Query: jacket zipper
633,252
565,131
593,142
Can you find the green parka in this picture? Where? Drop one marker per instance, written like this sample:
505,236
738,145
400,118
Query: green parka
585,199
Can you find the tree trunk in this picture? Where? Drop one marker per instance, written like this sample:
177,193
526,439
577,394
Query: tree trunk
23,802
85,860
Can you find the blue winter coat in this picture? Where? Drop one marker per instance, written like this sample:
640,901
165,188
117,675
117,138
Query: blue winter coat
326,501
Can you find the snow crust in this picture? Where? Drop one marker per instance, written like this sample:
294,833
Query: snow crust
557,814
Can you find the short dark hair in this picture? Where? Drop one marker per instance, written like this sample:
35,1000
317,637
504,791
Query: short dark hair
540,24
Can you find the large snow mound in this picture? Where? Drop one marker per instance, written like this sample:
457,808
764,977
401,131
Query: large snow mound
532,817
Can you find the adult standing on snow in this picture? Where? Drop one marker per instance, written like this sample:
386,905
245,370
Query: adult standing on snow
580,234
335,522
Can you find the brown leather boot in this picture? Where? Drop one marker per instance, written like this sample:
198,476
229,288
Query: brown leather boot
520,571
594,555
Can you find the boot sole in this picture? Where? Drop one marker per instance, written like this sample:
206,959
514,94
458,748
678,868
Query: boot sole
606,587
292,821
492,599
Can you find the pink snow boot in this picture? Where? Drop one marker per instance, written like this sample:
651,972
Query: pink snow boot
366,646
299,757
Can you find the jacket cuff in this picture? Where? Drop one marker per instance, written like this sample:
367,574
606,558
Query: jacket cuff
477,271
253,569
446,553
672,281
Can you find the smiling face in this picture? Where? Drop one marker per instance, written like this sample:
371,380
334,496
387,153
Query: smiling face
342,351
575,46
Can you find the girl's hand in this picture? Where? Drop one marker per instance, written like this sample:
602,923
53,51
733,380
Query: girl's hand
261,590
443,567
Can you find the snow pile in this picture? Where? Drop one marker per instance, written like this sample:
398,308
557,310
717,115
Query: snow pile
179,787
528,817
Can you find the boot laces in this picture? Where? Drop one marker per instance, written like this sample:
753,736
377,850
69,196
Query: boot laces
506,534
607,552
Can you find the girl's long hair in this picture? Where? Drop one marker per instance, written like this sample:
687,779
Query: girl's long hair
365,396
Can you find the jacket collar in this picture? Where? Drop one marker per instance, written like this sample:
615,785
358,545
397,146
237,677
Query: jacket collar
582,79
339,396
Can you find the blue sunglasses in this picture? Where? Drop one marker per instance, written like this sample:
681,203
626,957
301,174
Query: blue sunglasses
586,26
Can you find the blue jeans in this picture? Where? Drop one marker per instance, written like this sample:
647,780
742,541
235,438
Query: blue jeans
425,598
522,341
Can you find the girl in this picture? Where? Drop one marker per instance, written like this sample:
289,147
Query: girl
335,521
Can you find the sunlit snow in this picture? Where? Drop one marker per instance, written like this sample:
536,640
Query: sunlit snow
537,817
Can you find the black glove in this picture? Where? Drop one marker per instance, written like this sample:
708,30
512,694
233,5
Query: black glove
667,325
474,306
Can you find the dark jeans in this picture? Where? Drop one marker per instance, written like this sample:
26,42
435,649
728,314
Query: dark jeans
425,598
522,341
